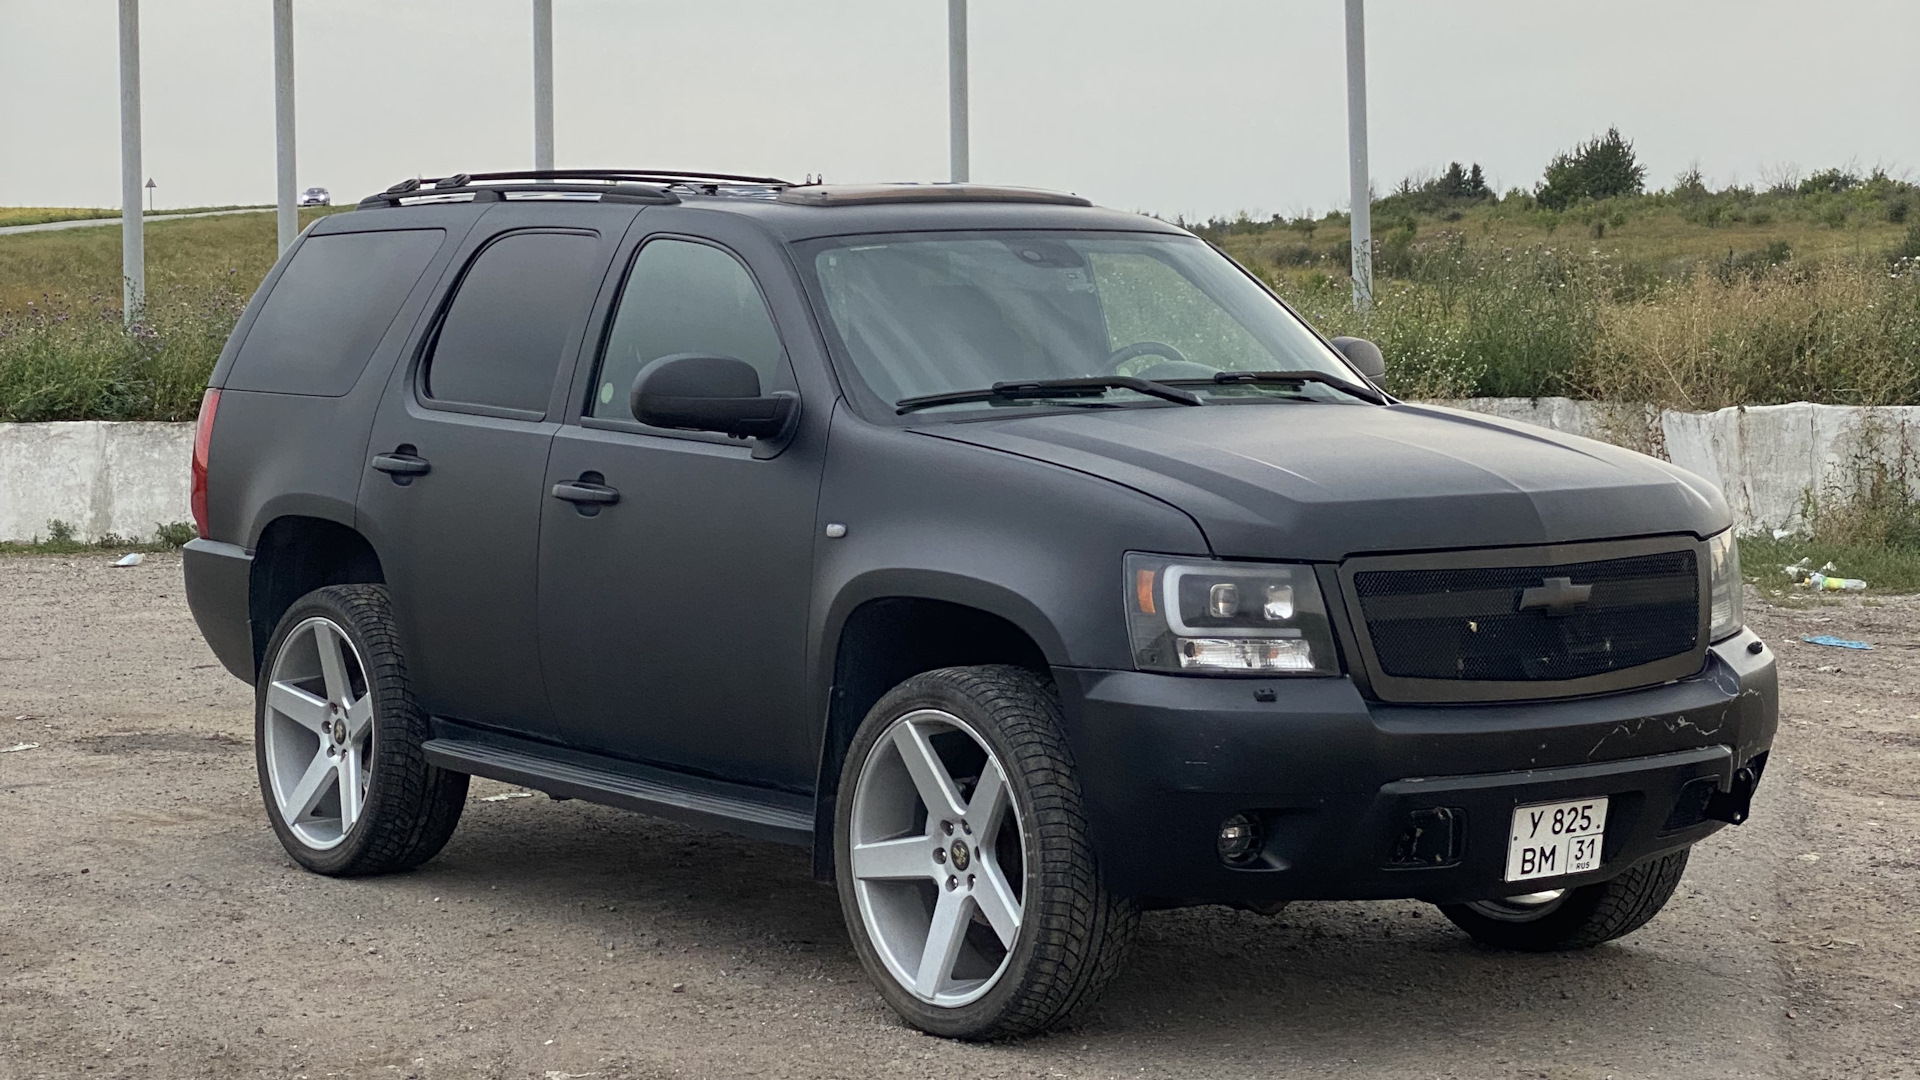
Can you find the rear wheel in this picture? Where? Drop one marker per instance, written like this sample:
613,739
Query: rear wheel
965,871
1578,918
337,740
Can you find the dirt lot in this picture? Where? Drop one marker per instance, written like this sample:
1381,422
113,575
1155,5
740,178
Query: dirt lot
151,927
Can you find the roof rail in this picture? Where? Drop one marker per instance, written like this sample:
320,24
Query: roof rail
656,176
612,185
869,194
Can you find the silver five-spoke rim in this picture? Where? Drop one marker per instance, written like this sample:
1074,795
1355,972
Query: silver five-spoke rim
938,858
318,733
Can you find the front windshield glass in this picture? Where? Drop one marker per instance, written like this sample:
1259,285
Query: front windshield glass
927,314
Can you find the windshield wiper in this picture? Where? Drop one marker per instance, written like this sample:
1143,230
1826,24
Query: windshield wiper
1365,393
1028,389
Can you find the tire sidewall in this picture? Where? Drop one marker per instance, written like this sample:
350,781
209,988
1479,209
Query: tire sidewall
928,692
324,603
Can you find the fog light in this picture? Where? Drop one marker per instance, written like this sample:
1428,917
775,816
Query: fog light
1246,654
1239,839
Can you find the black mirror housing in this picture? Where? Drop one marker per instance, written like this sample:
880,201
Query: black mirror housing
709,393
1364,355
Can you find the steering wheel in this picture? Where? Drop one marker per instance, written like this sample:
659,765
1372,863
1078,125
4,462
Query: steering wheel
1144,348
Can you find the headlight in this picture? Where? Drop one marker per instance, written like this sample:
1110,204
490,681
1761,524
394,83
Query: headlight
1219,617
1723,565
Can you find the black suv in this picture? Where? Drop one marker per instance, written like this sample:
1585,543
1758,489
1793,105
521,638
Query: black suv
1030,563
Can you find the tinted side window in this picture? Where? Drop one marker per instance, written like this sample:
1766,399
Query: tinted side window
329,310
517,306
684,297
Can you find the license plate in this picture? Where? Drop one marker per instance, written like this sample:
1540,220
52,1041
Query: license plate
1553,839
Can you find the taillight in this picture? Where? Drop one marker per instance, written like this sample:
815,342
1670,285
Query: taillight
202,436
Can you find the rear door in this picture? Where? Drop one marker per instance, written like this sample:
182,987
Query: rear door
673,621
452,495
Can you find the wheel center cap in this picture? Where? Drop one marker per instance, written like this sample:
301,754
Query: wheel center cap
961,857
338,729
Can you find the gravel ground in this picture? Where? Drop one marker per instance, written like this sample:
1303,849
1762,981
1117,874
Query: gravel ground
150,925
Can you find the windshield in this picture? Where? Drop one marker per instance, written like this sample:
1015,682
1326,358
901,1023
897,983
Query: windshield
926,314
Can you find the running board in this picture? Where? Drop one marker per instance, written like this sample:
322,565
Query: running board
568,781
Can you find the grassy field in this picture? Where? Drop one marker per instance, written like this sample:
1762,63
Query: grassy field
40,215
1693,300
64,354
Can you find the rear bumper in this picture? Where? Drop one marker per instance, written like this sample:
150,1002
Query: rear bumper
1336,779
218,579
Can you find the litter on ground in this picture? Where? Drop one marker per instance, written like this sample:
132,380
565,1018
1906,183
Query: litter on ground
505,795
131,558
17,747
1834,642
1825,578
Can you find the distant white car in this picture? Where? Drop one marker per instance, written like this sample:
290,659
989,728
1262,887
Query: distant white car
316,196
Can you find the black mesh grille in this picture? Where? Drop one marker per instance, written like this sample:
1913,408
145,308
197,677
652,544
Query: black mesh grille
1469,624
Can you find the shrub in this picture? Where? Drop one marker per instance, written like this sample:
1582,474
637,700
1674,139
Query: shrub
1600,168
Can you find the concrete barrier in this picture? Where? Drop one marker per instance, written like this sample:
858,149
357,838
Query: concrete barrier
129,478
101,477
1769,460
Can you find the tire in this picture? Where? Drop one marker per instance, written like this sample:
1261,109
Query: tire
308,748
991,731
1579,918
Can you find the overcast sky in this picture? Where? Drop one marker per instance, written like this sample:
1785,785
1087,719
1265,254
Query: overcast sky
1197,107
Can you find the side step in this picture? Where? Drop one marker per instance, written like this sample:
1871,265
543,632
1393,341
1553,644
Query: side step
711,809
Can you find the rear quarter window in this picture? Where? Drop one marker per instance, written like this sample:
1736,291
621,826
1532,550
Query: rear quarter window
329,309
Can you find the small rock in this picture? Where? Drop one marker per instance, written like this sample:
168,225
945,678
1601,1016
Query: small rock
679,988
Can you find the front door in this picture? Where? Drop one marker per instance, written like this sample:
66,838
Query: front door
457,463
673,620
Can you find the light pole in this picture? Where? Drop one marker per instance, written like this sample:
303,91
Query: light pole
957,154
543,84
1360,185
289,214
133,246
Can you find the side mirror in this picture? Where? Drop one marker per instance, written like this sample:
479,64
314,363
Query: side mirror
1364,355
709,393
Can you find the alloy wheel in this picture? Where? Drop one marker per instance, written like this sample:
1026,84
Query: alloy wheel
318,731
938,858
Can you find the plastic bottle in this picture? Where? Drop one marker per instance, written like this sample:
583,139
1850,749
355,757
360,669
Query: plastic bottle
1835,584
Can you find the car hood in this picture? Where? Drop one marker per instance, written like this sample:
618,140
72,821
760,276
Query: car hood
1321,481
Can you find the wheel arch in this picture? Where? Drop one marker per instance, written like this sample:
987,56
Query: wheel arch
888,626
296,554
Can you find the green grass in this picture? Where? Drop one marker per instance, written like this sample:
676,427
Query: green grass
1886,568
64,354
41,215
60,541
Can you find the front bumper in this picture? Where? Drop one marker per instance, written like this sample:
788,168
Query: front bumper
1336,779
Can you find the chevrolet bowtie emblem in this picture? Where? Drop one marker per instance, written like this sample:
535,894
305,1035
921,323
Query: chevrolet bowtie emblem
1557,595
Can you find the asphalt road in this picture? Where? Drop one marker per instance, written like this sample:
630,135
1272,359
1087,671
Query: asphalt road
150,925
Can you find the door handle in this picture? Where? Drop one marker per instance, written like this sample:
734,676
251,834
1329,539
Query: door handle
401,464
585,493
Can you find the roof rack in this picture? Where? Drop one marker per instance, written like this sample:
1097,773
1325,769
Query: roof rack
612,185
869,194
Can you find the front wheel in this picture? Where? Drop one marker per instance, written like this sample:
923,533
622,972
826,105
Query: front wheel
965,871
1577,918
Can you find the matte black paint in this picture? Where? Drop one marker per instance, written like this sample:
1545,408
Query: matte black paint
701,645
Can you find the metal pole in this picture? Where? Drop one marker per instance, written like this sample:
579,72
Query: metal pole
957,90
1360,184
133,246
283,119
543,84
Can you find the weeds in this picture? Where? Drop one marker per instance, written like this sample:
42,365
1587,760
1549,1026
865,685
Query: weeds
60,540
